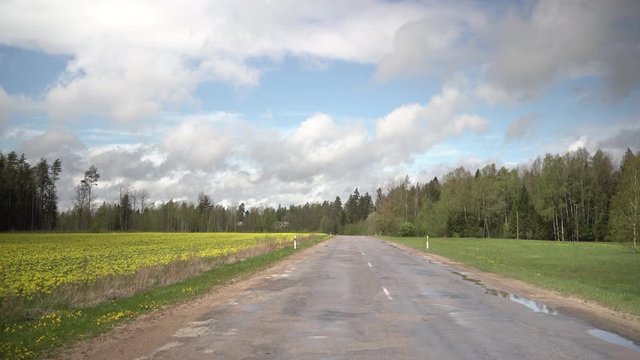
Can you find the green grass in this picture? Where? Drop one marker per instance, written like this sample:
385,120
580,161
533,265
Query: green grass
606,273
31,338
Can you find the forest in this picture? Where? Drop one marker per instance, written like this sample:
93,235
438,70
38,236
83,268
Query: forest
574,196
28,198
569,197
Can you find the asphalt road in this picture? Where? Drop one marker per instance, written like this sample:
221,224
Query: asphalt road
362,298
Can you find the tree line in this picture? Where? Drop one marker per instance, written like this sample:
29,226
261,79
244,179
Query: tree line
574,196
134,212
570,197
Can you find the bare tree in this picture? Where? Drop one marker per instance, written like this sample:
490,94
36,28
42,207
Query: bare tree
144,196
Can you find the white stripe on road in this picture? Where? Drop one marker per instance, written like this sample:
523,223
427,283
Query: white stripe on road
369,264
386,292
363,253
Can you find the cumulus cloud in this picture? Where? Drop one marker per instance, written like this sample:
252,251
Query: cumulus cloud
329,155
130,60
52,143
234,160
521,127
10,104
134,162
196,143
579,143
413,128
318,146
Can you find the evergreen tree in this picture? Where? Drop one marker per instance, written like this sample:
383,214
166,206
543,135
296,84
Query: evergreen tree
366,206
352,207
28,199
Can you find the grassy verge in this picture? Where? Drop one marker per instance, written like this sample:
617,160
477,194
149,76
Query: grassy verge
31,338
606,273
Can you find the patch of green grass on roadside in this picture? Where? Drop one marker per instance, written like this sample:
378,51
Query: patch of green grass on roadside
606,273
42,335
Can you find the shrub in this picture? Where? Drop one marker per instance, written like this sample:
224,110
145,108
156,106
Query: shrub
407,229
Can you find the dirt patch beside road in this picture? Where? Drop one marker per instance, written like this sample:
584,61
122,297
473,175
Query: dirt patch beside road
595,314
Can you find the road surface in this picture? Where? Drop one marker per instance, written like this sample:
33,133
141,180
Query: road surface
363,298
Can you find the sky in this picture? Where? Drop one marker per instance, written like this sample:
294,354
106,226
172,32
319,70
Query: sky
286,101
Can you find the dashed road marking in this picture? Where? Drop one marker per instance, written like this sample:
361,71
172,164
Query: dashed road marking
386,292
370,265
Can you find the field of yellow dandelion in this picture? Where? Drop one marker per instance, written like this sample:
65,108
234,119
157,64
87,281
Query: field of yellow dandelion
32,264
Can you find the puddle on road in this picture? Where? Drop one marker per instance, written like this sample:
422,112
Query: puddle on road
532,305
539,307
614,339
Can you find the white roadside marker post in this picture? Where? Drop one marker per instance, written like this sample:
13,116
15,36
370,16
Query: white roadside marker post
427,243
295,243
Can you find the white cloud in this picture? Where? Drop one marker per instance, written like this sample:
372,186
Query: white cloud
581,142
10,104
198,144
125,161
236,161
53,142
131,60
318,146
322,153
413,128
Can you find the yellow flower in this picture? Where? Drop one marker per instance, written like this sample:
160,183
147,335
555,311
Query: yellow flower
33,264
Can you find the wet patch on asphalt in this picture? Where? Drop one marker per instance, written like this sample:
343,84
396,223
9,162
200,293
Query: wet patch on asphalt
614,339
530,304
